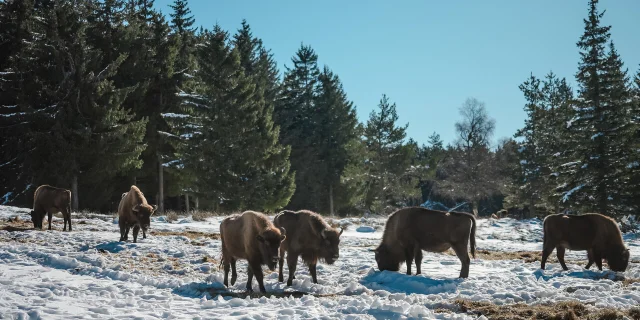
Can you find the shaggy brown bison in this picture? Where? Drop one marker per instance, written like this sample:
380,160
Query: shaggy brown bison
410,230
309,237
50,200
597,234
253,237
134,211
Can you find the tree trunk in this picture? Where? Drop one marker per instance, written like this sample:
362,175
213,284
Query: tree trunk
532,207
197,203
557,207
160,186
74,193
186,202
474,207
331,199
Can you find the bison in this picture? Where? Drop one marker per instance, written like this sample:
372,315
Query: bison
134,211
253,237
599,235
408,231
50,200
309,237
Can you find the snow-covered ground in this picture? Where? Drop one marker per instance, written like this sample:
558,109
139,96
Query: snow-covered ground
175,275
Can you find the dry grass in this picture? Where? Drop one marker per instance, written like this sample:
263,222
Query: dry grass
558,311
172,216
202,215
189,234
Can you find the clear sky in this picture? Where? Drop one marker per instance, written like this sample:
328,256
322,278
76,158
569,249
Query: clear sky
429,56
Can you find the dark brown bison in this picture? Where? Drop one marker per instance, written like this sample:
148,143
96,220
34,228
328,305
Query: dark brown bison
410,230
134,211
50,200
597,234
309,237
253,237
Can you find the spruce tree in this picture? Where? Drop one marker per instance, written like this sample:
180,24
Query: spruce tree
235,155
294,115
601,112
389,156
83,134
335,125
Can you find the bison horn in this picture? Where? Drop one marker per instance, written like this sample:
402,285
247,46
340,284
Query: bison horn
341,231
283,231
135,208
154,208
323,233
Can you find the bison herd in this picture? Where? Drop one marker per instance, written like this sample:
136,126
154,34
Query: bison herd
253,237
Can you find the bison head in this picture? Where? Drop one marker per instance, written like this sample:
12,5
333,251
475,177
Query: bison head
37,218
268,245
385,259
143,214
618,259
329,248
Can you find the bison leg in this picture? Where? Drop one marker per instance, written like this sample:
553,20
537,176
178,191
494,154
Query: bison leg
463,255
126,233
257,271
292,263
234,274
408,255
144,234
418,258
227,266
598,259
546,251
312,270
49,215
136,230
280,264
590,257
67,219
249,278
560,254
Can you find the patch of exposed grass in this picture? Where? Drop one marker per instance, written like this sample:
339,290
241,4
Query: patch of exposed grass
202,215
557,311
172,216
189,234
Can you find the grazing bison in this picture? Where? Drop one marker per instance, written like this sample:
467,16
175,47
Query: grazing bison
50,200
309,237
253,237
410,230
134,211
597,234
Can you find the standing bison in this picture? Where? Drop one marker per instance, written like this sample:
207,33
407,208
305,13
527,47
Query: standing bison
50,200
134,211
309,237
597,234
410,230
250,236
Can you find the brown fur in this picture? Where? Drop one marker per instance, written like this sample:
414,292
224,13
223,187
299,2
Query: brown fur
599,235
49,200
410,230
253,237
134,211
309,237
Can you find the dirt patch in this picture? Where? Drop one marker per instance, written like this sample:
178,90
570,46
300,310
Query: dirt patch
558,311
189,234
526,256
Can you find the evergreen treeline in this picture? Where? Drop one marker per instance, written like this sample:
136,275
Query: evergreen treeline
96,95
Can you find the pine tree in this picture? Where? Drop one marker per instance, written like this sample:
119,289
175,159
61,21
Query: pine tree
16,38
389,155
83,133
532,155
335,125
599,123
294,115
245,165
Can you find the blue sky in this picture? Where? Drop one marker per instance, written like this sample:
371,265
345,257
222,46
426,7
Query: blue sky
429,56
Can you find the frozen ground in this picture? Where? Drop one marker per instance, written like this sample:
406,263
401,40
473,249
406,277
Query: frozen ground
174,274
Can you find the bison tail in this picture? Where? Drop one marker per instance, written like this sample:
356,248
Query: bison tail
472,238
